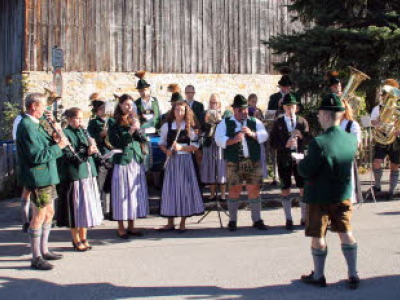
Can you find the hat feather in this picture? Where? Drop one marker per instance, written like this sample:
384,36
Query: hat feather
174,88
140,74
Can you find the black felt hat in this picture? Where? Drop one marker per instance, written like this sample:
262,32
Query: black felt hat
176,97
331,102
290,99
332,77
240,101
285,81
141,84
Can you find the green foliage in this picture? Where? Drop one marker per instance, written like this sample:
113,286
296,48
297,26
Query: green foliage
337,34
310,113
10,112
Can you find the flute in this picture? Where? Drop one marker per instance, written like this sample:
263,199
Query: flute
176,138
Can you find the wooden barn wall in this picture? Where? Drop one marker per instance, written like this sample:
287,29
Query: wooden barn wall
162,36
11,37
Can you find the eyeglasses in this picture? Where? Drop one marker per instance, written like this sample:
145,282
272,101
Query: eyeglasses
189,92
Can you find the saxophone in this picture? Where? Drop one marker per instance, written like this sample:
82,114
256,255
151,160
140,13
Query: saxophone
356,77
389,117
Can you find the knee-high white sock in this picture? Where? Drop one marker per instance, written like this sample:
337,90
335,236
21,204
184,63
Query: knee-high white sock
45,238
255,205
394,178
233,207
287,207
319,258
35,238
25,205
350,254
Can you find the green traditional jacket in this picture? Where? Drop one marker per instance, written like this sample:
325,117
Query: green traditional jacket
327,167
37,155
157,117
231,153
129,144
72,168
95,128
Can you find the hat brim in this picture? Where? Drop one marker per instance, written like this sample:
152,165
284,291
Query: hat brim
240,106
332,108
145,86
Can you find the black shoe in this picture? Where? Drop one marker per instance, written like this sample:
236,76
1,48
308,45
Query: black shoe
52,256
76,247
134,233
40,264
389,196
302,223
289,225
260,225
309,279
376,189
232,226
124,236
25,227
353,282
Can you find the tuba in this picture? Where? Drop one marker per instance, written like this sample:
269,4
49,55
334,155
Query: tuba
356,77
389,116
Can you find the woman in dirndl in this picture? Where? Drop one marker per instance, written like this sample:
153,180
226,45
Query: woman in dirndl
129,195
213,164
79,206
181,196
254,111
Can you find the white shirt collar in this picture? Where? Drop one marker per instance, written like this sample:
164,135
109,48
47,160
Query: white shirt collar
33,118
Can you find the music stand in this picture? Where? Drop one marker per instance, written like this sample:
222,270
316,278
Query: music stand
366,123
217,204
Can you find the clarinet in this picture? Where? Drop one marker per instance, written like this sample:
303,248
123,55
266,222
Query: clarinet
60,135
91,142
241,151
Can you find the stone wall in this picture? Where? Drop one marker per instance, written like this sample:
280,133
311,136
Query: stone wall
78,86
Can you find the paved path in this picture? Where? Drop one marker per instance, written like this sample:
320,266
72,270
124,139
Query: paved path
204,263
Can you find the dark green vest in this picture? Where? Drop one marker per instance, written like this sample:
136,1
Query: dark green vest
156,110
232,152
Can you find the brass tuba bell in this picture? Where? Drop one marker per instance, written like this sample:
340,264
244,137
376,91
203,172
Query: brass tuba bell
356,77
389,116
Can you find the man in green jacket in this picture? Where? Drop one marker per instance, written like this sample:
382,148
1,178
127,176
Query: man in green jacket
37,155
328,189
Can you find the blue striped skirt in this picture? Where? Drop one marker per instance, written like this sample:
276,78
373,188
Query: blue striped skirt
86,203
129,192
181,196
213,165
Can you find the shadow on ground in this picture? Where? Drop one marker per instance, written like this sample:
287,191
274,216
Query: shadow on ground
386,287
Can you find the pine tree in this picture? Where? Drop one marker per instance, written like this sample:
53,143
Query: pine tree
364,34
